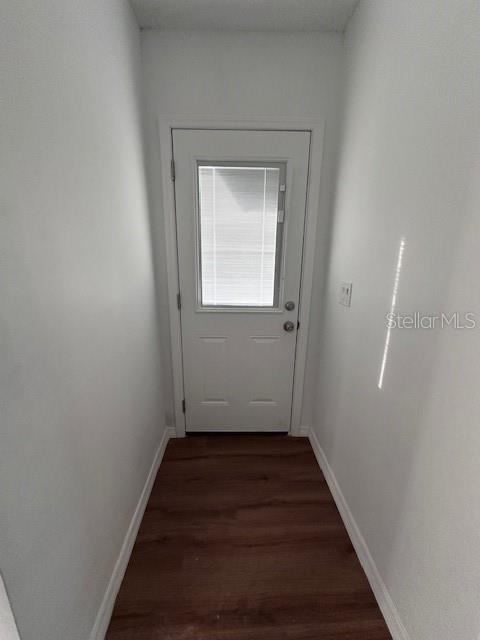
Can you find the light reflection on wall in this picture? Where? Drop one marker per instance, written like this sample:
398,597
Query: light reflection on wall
392,310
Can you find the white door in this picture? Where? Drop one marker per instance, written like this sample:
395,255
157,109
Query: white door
240,210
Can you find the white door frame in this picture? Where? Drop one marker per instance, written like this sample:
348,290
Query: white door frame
8,625
316,129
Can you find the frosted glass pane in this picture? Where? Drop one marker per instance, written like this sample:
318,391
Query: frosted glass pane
238,233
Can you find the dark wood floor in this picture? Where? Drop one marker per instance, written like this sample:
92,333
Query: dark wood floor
241,540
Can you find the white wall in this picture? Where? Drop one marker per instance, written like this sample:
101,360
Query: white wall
407,456
238,75
81,411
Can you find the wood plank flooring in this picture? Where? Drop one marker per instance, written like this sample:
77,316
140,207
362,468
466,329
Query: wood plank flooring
241,540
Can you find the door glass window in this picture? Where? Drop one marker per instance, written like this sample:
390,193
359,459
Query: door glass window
240,227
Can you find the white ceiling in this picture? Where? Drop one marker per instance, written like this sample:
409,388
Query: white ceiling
245,15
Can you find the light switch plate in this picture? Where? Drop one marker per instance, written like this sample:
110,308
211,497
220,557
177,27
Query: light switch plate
345,293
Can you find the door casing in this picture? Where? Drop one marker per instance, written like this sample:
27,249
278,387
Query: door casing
166,124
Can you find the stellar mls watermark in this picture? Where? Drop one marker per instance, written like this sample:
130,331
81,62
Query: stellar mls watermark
417,320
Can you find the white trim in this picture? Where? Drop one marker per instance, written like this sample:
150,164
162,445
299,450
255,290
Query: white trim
168,203
304,431
316,129
8,626
312,213
380,591
106,607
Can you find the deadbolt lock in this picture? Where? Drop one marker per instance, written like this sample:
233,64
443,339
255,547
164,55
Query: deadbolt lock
290,305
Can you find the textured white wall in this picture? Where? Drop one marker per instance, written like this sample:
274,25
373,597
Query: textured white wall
232,75
407,456
81,411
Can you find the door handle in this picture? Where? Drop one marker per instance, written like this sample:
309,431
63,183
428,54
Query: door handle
288,326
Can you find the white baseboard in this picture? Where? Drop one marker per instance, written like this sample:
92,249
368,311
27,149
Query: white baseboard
173,432
380,591
105,611
304,432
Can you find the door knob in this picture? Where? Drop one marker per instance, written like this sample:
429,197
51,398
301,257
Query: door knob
290,305
289,326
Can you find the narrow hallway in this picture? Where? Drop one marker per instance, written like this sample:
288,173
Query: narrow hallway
241,539
240,320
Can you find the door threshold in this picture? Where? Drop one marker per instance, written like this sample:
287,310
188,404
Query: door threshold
236,433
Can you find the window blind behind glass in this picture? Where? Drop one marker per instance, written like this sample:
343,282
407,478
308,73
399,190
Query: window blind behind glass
238,227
